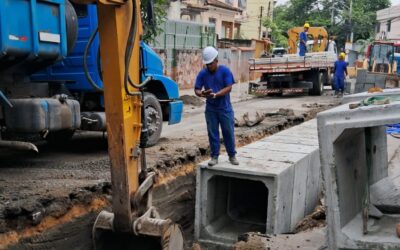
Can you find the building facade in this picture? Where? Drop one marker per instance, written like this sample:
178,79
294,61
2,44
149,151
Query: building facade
388,26
256,11
225,15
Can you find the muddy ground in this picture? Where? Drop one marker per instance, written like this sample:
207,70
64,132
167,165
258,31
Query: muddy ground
50,200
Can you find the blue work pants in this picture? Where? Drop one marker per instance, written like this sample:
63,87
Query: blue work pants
302,50
339,83
226,120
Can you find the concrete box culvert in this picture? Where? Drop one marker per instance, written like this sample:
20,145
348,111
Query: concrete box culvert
348,140
233,203
276,184
363,95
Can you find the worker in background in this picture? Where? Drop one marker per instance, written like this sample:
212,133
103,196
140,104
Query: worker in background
340,70
214,82
303,40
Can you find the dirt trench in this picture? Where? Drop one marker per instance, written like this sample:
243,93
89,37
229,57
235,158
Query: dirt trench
59,221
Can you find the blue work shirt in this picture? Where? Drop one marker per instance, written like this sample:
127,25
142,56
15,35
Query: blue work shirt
340,68
302,46
216,81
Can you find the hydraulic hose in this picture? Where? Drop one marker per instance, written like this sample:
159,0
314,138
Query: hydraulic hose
128,54
128,50
85,68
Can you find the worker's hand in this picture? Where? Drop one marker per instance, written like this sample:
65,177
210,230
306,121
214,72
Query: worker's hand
206,93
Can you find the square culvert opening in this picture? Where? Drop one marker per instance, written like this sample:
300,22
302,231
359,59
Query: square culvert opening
236,206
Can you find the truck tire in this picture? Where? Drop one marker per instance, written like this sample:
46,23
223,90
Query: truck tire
154,118
318,84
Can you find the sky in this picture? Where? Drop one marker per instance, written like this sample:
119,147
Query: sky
394,2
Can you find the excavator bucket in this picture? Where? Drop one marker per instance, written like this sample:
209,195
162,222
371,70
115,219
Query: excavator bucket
149,234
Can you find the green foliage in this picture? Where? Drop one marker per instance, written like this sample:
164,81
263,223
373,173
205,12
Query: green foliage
334,15
277,34
152,29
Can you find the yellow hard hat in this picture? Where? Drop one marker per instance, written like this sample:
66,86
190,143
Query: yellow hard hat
342,55
306,25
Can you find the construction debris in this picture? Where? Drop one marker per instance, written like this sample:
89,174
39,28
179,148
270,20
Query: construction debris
246,121
375,89
315,219
282,112
192,100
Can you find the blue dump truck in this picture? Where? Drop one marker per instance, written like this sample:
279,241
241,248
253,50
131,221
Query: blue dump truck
44,88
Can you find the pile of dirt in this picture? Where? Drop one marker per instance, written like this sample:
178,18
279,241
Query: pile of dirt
30,212
315,219
192,100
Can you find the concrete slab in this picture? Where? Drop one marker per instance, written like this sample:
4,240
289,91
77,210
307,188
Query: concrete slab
281,147
363,95
348,139
269,155
276,184
293,140
381,234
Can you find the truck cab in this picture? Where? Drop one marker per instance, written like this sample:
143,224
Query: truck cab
161,97
279,52
382,56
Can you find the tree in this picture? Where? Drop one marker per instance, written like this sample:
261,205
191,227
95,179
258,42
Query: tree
152,28
334,15
276,33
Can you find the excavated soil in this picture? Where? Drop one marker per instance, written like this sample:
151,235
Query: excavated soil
50,200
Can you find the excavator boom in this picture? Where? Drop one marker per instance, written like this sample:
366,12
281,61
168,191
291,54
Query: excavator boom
133,221
318,34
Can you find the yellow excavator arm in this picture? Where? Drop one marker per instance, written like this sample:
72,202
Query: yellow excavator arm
134,223
318,34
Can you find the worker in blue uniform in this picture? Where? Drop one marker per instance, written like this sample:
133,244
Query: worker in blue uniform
214,82
340,70
303,40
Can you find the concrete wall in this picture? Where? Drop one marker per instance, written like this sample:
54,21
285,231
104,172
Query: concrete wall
188,63
366,80
237,61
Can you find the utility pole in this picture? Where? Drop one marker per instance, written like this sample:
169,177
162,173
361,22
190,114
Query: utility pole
332,11
261,16
351,23
268,17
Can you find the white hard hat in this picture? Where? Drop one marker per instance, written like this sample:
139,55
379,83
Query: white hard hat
209,54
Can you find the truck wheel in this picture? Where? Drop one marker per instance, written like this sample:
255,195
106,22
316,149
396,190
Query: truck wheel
154,118
318,84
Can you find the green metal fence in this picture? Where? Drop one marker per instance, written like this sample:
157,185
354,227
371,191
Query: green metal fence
185,35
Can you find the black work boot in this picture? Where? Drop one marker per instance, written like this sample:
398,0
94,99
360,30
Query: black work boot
213,161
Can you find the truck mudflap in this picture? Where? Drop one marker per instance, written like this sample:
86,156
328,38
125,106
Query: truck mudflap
175,112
